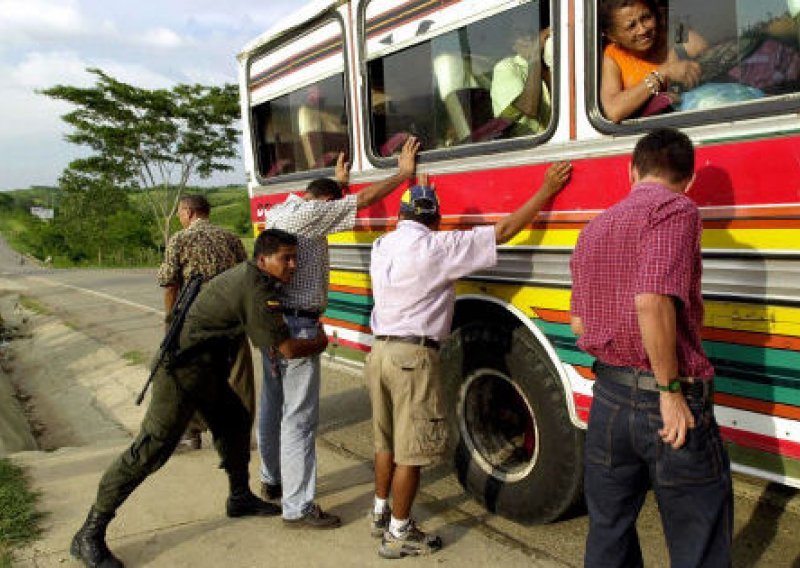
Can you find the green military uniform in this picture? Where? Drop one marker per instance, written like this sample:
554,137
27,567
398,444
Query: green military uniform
204,248
240,300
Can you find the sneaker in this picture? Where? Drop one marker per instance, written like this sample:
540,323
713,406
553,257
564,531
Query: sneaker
379,522
316,518
413,542
248,505
271,492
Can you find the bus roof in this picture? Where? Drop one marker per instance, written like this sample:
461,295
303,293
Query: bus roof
287,25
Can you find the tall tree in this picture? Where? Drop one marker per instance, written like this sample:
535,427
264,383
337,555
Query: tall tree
152,140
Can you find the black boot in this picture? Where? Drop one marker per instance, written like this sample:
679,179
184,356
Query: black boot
89,543
245,504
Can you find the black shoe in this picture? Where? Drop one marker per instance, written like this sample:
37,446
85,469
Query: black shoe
316,518
271,492
248,505
89,543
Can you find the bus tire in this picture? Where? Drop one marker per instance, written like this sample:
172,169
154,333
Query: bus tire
515,448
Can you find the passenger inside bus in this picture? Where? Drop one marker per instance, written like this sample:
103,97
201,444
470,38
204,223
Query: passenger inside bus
640,69
521,82
323,134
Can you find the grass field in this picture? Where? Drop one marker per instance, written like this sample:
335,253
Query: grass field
19,520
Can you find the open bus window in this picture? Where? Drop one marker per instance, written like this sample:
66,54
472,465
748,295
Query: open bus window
711,55
303,130
472,84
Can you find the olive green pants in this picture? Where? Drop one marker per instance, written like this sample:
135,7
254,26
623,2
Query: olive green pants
198,383
242,383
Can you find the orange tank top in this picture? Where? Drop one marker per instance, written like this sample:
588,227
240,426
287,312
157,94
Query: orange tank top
633,69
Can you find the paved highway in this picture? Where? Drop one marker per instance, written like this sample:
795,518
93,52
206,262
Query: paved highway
123,309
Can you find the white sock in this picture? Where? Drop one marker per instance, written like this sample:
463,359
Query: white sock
380,505
398,526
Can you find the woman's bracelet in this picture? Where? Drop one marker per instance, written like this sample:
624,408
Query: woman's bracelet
655,82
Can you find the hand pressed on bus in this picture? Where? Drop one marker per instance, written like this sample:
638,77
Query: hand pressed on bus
555,178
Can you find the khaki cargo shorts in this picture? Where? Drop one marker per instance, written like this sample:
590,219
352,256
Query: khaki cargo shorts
408,416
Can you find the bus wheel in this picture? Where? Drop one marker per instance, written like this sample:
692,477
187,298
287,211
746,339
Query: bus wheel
516,450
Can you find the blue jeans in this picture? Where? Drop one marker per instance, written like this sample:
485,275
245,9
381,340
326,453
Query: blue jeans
288,415
625,457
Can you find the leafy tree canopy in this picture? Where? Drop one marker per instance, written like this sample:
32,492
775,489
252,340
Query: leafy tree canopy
152,140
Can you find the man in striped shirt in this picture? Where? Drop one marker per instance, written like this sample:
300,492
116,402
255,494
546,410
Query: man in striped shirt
289,407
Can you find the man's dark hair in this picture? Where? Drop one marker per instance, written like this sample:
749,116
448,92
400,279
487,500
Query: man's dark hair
608,9
196,202
665,152
325,187
270,240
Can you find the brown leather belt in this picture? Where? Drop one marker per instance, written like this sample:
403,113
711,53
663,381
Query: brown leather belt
417,339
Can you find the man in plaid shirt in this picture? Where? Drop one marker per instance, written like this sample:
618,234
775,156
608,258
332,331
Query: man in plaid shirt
289,408
637,308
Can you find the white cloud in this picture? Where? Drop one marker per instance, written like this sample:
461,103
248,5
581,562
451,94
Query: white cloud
147,43
39,19
162,37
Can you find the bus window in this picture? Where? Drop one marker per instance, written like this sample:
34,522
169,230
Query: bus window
703,55
471,84
303,130
299,118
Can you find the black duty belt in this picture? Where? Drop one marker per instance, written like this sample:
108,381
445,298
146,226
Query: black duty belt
311,314
416,339
645,380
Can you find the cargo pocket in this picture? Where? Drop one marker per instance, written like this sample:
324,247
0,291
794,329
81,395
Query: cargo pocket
697,462
430,435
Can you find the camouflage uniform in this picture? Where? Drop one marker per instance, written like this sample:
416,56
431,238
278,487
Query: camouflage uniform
241,300
209,250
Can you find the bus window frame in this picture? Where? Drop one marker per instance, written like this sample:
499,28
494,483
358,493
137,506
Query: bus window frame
284,39
466,150
781,104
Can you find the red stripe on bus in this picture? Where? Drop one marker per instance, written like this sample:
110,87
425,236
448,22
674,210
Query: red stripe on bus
761,443
351,344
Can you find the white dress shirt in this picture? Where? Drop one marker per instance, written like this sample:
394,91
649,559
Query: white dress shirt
413,270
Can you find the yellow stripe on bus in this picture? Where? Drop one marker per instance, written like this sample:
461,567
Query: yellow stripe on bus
735,316
746,239
758,239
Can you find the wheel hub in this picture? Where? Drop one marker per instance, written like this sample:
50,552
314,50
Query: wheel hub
498,425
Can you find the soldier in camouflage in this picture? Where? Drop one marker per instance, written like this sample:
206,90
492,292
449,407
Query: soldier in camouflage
241,300
203,248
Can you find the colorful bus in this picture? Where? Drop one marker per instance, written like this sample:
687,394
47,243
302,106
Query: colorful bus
360,76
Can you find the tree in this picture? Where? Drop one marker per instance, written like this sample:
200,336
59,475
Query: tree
151,140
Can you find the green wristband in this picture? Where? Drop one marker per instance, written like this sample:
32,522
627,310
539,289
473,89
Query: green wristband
673,386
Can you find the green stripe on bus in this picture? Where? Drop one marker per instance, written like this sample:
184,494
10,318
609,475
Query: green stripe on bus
348,353
759,356
361,300
759,391
765,461
347,315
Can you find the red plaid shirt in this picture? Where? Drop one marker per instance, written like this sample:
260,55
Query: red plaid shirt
647,243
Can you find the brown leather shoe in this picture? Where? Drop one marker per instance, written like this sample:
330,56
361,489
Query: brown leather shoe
316,518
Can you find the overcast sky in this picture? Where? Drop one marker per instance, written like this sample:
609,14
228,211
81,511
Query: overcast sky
147,43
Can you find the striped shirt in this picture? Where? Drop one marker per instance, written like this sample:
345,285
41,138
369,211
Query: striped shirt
647,243
311,220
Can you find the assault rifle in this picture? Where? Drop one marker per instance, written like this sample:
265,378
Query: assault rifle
170,341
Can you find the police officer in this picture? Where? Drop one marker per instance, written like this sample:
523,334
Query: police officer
240,300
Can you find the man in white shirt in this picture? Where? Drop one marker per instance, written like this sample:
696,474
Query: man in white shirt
413,270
